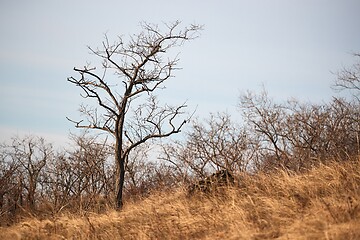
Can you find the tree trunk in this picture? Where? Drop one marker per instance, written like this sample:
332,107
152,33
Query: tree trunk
31,192
120,174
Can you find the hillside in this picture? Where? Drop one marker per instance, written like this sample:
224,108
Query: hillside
323,203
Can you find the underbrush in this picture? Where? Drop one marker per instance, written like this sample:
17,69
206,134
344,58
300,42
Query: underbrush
323,203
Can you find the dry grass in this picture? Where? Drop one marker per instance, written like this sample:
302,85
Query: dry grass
321,204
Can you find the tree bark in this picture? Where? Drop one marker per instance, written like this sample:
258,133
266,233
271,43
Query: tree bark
120,177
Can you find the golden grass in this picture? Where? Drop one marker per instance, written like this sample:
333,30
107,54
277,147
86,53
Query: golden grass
321,204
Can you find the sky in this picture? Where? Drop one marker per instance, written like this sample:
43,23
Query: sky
290,48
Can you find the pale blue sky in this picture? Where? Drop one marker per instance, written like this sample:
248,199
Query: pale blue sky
291,47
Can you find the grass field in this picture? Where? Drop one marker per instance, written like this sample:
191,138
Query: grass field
323,203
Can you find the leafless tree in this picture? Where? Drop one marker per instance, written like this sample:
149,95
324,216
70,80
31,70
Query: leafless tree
349,78
58,182
141,67
211,145
296,136
79,177
90,164
8,186
26,158
266,120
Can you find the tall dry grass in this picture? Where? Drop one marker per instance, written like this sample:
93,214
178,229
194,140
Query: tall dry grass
323,203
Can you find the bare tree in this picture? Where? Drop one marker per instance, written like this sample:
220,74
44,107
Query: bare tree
214,144
89,163
79,178
141,68
296,136
349,78
27,158
8,185
267,120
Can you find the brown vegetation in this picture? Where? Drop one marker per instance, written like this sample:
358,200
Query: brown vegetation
288,171
323,203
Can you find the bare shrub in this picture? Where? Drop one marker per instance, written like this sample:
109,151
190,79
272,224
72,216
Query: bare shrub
216,144
296,136
22,165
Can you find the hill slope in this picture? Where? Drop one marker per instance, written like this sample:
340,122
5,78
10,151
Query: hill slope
321,204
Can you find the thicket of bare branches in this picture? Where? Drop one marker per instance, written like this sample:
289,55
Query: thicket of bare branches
214,144
292,136
295,136
22,166
289,136
36,180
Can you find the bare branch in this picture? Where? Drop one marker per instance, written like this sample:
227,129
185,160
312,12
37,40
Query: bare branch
349,79
141,68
